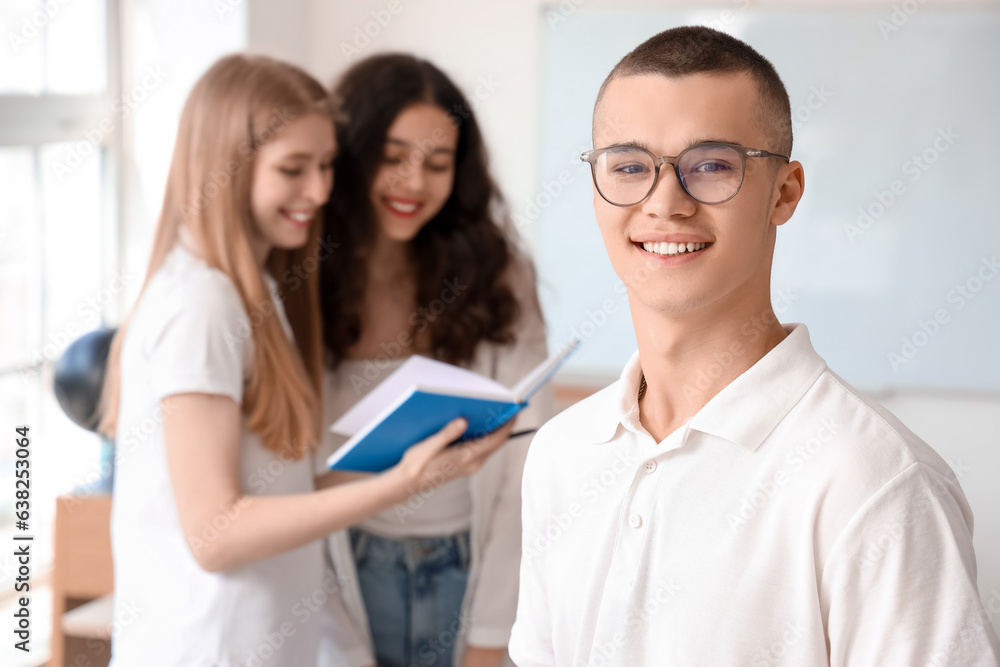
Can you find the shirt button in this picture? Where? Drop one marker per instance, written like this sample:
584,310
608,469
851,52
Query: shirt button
635,521
650,466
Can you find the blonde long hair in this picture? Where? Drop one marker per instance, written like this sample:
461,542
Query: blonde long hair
235,108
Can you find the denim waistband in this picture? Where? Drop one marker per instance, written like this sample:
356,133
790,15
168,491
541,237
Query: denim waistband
411,550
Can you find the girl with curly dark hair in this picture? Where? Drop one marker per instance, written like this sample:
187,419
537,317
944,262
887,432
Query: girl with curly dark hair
424,263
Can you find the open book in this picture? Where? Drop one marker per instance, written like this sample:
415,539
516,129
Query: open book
419,398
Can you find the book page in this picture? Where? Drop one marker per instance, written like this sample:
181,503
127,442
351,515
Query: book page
416,371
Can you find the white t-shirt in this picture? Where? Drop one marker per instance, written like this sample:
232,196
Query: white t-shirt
791,521
445,510
190,333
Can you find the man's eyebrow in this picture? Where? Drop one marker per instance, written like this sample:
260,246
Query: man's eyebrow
632,143
635,143
406,144
695,142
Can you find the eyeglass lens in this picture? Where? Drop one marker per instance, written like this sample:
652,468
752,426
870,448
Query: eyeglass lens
710,174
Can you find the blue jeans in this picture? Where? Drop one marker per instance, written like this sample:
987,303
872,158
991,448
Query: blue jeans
413,590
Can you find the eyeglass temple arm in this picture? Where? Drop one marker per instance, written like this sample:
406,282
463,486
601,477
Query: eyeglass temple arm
756,152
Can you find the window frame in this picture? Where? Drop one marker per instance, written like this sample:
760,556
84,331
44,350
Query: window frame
32,121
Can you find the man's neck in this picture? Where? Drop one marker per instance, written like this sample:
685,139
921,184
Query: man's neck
688,359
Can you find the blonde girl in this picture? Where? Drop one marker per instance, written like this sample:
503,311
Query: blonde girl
214,391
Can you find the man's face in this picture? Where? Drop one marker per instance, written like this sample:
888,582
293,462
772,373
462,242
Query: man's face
666,116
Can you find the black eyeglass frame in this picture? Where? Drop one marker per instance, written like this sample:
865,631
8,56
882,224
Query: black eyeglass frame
593,155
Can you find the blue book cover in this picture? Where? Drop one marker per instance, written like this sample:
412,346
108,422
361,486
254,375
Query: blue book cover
419,399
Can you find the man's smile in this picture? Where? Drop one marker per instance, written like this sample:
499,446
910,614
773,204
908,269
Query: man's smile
672,249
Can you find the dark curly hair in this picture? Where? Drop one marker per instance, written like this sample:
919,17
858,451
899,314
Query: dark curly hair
466,242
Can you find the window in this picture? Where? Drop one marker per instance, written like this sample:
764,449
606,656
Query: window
60,145
73,110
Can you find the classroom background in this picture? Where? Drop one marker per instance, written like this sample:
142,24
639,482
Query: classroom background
891,258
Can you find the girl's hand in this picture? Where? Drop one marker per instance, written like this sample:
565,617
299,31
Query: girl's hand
432,462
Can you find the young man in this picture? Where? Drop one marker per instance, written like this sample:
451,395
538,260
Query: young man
730,500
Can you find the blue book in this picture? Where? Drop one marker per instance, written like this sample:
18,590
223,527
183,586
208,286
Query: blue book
419,398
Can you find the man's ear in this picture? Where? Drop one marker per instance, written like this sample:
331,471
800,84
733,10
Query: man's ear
789,184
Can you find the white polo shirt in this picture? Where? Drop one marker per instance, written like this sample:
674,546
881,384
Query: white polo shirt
791,521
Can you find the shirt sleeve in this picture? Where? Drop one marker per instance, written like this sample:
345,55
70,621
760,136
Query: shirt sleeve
494,603
531,637
201,342
900,585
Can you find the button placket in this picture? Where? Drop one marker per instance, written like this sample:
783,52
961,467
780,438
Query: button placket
635,517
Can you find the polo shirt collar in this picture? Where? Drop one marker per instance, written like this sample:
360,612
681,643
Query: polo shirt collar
617,405
744,412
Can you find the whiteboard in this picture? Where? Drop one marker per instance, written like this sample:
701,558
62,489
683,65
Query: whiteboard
898,288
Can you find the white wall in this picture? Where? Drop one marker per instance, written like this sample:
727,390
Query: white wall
500,43
281,29
179,39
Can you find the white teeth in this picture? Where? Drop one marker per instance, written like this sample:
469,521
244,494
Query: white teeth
300,217
670,249
401,207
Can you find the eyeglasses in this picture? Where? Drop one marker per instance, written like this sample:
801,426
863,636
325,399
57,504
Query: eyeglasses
710,173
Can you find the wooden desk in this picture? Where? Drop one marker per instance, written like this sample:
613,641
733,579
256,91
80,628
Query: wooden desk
567,395
82,571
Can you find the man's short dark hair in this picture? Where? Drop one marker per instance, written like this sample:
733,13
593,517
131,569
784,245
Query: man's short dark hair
698,50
